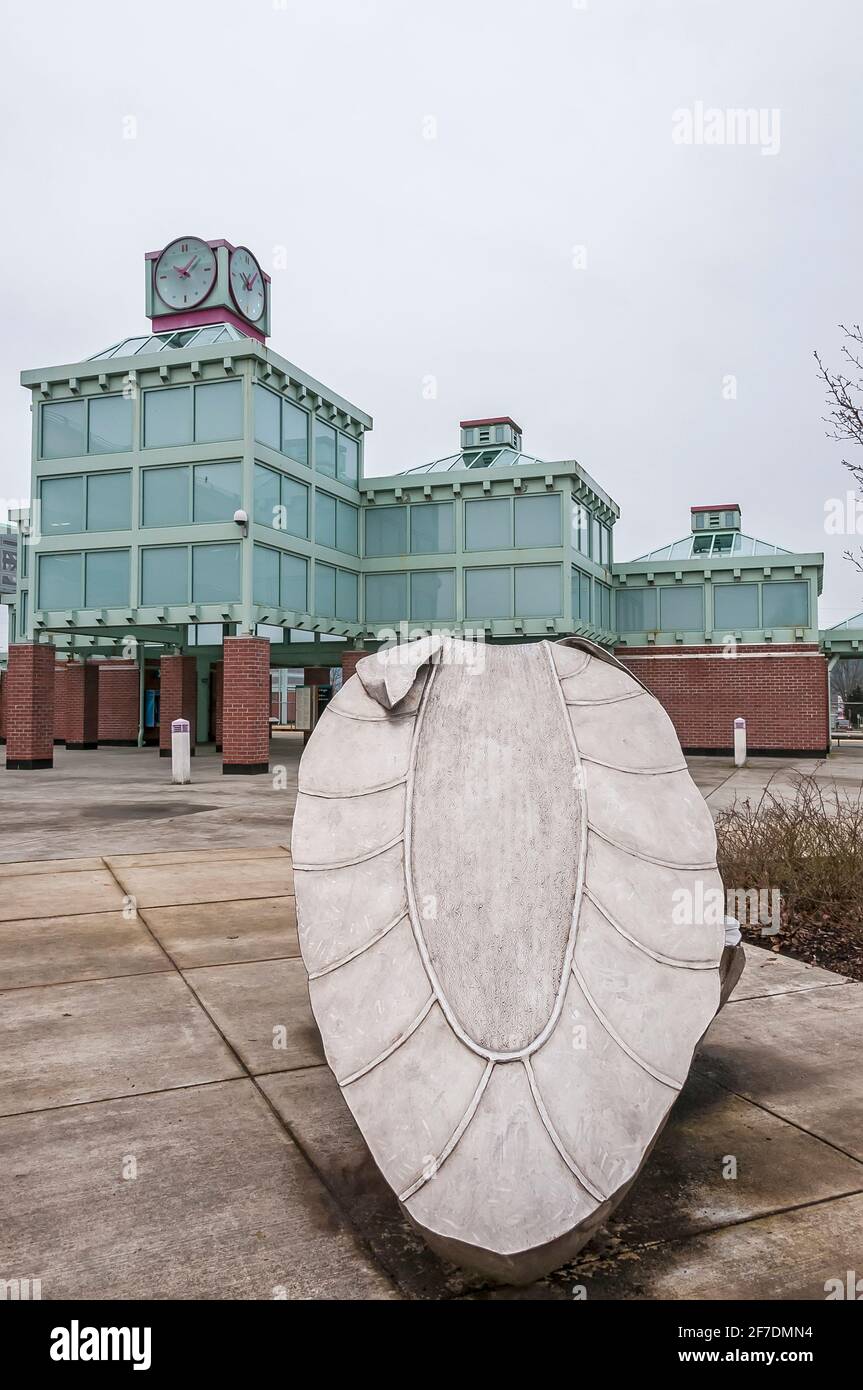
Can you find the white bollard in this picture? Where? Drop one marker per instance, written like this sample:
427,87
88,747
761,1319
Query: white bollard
739,742
181,756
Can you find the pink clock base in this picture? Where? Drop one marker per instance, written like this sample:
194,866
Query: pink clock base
198,318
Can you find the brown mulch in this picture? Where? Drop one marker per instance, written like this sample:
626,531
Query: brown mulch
818,940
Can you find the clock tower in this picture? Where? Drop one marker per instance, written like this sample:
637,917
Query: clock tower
192,282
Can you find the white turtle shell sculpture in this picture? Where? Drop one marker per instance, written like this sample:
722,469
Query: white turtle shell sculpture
489,846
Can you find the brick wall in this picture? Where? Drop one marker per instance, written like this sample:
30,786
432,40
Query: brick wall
780,691
29,699
60,702
246,705
81,694
349,663
118,702
178,698
2,709
216,676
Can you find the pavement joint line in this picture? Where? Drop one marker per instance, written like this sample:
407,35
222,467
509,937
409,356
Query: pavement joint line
87,979
122,1095
774,994
786,1119
359,1239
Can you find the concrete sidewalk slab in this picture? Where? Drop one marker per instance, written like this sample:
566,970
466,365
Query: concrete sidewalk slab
800,1055
221,1205
56,893
769,973
314,1111
93,946
790,1255
247,929
66,1044
264,1012
167,885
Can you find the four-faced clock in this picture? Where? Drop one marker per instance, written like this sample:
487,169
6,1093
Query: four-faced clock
247,284
185,273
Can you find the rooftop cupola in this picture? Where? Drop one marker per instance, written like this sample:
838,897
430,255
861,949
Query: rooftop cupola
723,518
485,434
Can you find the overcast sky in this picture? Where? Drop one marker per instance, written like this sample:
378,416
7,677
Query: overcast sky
480,208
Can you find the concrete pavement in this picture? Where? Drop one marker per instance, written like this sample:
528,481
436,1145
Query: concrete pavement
168,1127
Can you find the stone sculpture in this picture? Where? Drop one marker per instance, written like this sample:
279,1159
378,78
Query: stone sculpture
493,847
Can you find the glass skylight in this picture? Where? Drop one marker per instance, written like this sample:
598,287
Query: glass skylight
485,458
710,543
145,344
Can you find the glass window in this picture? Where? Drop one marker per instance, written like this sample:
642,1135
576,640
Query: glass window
580,528
218,411
325,519
432,594
165,496
60,581
537,520
488,524
681,609
605,537
785,604
109,502
488,593
348,459
347,522
386,530
106,578
325,591
295,503
734,606
266,489
204,634
537,591
165,574
585,585
268,630
268,418
294,582
63,428
325,448
346,596
603,597
215,573
217,491
432,528
265,575
386,598
637,610
110,425
62,510
295,432
167,417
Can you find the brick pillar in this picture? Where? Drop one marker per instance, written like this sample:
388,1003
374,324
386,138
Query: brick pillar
81,687
60,701
2,710
246,705
29,699
315,676
178,698
349,663
118,703
217,671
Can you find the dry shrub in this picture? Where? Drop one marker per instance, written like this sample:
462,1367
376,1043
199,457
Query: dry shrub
809,845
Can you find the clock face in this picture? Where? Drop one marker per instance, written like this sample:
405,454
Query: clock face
247,284
185,273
